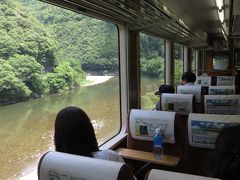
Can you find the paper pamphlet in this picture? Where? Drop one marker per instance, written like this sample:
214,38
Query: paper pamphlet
144,122
203,80
222,104
56,165
203,129
225,80
194,89
221,90
177,102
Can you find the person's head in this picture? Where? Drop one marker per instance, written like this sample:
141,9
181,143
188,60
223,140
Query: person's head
74,132
164,89
226,162
188,77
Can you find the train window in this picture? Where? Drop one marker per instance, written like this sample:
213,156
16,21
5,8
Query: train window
194,66
51,58
220,61
178,63
152,69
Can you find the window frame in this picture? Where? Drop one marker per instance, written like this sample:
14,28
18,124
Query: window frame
124,106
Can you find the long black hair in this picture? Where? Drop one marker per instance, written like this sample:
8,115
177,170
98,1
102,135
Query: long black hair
226,162
74,132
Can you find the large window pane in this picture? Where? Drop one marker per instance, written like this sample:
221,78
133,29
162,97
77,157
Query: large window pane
152,69
51,58
178,63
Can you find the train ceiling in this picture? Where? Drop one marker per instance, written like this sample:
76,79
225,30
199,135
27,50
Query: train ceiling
191,22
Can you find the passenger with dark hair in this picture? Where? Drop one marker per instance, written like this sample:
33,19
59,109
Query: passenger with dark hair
74,134
226,162
188,78
163,89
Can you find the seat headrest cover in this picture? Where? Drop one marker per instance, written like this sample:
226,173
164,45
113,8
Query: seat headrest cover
156,174
225,80
221,90
182,103
58,165
194,89
222,104
203,80
144,122
203,129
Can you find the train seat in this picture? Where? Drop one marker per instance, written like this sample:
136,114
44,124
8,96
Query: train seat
194,89
181,103
221,90
156,174
56,165
225,80
141,125
222,104
197,91
202,132
203,80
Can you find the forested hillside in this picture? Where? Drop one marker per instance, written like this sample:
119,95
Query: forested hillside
45,49
26,53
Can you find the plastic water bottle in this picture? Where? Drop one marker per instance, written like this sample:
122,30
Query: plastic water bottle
158,144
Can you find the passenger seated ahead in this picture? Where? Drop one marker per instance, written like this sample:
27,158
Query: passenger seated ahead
163,89
188,78
226,162
74,134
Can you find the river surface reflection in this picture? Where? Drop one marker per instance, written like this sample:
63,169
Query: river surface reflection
26,128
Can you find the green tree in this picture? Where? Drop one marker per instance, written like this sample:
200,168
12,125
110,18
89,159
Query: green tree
178,71
8,47
152,67
11,87
21,33
30,72
76,65
151,47
64,77
151,55
56,83
178,51
93,42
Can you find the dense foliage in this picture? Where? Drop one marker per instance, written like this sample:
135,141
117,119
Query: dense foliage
45,49
152,57
40,50
92,42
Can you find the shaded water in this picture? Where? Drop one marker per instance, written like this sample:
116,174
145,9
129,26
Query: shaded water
26,128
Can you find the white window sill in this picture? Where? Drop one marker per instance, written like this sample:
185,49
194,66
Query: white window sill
113,142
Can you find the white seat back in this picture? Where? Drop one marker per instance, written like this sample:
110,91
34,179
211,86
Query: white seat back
156,174
191,89
181,103
222,104
221,90
143,123
203,80
203,129
225,80
56,165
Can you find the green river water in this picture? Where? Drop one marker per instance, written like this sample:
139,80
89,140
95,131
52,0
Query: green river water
26,128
